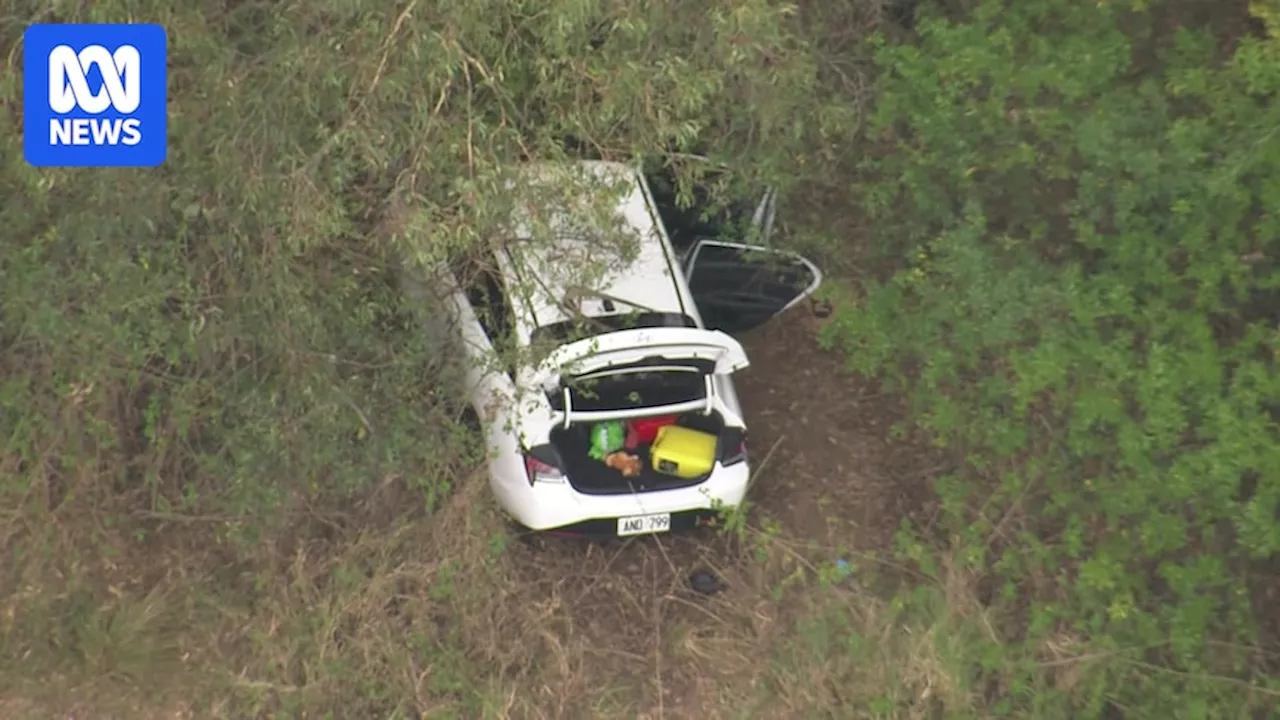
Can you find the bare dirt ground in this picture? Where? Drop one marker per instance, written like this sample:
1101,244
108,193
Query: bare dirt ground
834,477
829,484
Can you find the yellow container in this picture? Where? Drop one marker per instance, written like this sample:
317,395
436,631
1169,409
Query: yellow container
683,452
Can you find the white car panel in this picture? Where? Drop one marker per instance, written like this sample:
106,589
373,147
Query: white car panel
546,506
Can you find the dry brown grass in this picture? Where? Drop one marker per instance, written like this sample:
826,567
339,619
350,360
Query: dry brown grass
434,617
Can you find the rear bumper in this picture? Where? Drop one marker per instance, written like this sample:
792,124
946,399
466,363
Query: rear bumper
686,521
557,506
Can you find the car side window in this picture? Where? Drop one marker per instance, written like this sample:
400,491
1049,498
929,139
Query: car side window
488,300
490,303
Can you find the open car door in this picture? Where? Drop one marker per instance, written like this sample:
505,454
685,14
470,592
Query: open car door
762,219
738,287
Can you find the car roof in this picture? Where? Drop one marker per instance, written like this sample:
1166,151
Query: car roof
620,277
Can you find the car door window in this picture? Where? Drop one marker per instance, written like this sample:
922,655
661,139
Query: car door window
488,300
738,287
490,304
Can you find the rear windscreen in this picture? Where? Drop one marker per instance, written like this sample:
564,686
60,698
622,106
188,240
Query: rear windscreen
647,387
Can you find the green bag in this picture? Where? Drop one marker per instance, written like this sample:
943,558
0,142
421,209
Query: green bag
607,437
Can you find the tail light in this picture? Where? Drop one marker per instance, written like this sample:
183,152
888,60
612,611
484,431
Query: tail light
541,464
733,446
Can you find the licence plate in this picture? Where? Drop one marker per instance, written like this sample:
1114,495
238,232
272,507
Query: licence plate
644,524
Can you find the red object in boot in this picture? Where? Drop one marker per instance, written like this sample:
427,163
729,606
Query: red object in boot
642,431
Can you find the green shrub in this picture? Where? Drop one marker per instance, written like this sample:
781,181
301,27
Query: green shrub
1087,217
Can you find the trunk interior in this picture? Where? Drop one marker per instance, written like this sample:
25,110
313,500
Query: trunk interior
592,477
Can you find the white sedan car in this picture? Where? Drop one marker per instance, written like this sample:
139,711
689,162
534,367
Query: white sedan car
648,335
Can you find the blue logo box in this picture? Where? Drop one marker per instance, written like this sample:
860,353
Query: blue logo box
94,95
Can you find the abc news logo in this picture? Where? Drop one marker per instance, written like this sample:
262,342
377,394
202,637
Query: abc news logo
69,91
95,95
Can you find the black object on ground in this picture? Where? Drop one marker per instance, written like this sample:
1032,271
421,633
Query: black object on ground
705,582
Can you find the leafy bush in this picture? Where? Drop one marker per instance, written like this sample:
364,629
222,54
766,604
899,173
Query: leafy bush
1085,211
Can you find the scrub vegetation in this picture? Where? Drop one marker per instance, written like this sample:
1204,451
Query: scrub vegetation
1040,425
